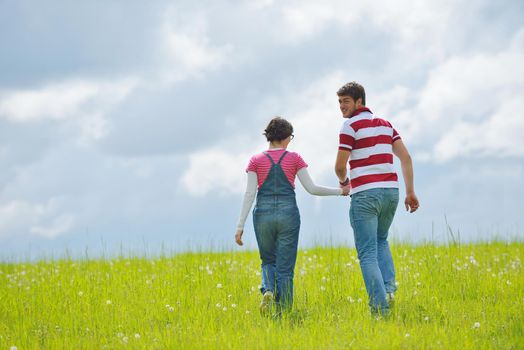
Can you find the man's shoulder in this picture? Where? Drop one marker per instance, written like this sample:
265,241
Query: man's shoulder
379,121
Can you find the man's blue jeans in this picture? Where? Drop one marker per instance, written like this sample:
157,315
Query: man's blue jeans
371,215
277,223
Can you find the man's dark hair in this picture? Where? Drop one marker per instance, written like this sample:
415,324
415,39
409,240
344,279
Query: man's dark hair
278,129
353,90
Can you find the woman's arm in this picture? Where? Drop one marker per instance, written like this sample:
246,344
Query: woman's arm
249,197
316,190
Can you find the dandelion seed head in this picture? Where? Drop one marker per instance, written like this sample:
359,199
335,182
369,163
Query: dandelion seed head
476,325
13,348
171,309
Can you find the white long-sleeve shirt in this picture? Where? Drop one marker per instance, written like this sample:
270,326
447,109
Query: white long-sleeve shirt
305,180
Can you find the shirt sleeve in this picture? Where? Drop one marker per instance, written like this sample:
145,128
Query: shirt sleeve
316,190
252,165
249,197
396,135
300,162
346,137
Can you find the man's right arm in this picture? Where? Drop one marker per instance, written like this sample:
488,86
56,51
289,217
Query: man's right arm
400,150
341,164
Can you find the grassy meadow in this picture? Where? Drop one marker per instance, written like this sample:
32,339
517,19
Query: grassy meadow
449,297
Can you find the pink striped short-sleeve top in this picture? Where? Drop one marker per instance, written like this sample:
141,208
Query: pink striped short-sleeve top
261,165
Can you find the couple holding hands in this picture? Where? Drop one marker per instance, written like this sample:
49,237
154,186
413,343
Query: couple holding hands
368,144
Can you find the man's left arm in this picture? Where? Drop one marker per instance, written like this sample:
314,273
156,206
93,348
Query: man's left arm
341,165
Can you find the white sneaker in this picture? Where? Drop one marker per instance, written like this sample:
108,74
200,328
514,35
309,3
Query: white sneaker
390,298
266,303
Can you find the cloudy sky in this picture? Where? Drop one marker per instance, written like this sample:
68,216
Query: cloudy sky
126,126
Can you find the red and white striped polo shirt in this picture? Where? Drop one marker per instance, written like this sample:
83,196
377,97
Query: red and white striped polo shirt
370,141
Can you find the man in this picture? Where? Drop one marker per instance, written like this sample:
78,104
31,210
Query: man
368,143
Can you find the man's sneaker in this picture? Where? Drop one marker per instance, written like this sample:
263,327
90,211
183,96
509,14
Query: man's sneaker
390,297
266,303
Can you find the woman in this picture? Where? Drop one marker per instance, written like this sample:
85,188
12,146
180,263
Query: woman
276,218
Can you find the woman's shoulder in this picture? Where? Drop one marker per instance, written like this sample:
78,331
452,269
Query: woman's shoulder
294,154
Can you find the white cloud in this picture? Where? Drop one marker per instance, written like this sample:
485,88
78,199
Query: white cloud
471,105
215,170
187,48
423,27
499,136
68,99
19,216
60,225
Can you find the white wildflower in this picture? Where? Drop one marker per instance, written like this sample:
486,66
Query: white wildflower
407,335
322,288
219,285
137,336
476,325
218,305
108,302
125,339
13,348
80,293
171,309
224,308
233,306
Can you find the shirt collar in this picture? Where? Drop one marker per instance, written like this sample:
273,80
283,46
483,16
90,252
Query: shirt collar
360,110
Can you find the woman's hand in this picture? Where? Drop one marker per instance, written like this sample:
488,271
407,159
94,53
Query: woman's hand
238,237
345,190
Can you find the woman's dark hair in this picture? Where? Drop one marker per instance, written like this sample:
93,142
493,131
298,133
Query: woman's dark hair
278,129
353,90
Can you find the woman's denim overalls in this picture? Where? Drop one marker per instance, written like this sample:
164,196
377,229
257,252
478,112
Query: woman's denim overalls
277,222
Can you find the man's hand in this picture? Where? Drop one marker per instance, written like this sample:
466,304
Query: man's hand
411,202
238,237
345,190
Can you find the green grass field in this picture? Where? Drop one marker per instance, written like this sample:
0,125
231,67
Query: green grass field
449,297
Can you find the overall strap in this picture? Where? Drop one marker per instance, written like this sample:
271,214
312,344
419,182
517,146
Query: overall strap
282,157
271,159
